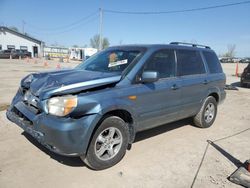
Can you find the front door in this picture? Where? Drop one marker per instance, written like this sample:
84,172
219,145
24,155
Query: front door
158,103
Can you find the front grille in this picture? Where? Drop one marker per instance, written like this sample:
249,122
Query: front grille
31,102
32,108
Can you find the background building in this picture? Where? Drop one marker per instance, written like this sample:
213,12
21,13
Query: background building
55,52
10,39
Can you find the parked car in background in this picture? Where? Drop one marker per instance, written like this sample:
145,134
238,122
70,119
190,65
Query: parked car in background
21,53
14,54
245,60
236,59
5,54
245,76
230,59
81,53
95,110
226,60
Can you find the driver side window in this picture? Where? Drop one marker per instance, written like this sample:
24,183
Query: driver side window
163,62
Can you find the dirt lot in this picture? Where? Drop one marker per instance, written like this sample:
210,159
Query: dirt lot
168,156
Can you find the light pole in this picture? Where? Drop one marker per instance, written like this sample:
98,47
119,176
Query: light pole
23,23
100,29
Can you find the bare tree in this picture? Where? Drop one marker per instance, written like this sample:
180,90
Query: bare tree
27,34
54,44
94,42
230,50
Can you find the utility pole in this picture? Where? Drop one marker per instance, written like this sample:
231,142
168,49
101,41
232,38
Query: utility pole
23,23
100,29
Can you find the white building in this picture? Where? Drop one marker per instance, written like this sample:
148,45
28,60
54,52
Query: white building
10,39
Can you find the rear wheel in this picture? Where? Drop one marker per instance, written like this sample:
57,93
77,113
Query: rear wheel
207,114
108,145
243,84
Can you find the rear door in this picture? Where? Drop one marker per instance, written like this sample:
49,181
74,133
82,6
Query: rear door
192,72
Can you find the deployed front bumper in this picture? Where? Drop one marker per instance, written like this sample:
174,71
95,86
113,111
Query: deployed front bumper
62,135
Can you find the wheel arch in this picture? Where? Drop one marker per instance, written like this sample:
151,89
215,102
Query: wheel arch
215,95
127,117
124,114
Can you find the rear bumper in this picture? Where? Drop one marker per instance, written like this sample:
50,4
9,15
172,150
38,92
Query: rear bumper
65,136
245,80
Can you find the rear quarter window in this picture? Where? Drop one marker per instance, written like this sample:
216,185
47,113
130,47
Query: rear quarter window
213,62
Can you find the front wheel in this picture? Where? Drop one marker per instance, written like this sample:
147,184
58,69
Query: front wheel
108,145
207,114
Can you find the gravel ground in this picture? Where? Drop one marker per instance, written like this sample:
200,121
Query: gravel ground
167,156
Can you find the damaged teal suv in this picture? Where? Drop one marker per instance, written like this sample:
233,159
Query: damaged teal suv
95,110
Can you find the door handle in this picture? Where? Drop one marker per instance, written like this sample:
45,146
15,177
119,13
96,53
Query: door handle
174,87
205,82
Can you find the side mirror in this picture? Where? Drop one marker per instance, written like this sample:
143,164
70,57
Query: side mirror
149,76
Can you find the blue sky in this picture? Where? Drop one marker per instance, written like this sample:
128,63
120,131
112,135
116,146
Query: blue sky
50,21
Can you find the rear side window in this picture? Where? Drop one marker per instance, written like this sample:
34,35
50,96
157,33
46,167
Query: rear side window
189,62
213,62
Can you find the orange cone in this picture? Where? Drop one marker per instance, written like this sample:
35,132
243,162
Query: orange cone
45,64
236,70
58,66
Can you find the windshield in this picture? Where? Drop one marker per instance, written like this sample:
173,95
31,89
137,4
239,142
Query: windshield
110,61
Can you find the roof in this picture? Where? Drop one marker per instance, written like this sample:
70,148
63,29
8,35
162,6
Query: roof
159,46
56,47
4,29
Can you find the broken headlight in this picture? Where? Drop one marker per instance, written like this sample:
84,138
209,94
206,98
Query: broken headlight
61,106
29,78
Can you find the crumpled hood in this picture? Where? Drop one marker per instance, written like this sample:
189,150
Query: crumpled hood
66,81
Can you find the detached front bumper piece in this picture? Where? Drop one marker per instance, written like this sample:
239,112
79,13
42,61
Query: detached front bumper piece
65,136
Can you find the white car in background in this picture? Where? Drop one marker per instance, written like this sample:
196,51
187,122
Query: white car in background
81,53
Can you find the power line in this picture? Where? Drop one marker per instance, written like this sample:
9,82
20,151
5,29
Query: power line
65,26
85,23
67,30
177,11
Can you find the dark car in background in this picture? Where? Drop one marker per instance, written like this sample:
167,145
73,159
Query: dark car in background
5,54
14,54
245,76
21,53
245,60
226,60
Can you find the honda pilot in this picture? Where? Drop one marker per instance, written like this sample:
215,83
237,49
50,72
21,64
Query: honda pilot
95,110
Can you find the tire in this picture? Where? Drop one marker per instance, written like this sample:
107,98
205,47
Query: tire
108,145
207,114
243,84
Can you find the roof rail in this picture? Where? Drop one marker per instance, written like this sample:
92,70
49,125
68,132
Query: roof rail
191,44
